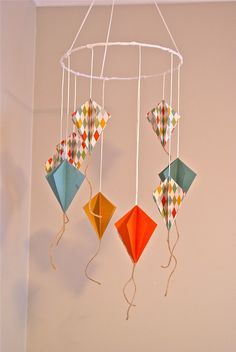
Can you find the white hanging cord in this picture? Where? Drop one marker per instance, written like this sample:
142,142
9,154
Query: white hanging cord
108,35
163,86
75,99
171,96
102,139
178,131
91,75
82,24
68,102
138,125
62,101
166,26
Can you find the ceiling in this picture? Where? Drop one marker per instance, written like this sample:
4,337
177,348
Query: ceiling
41,3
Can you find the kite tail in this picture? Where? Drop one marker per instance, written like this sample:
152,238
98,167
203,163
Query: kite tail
90,193
130,302
173,248
56,239
86,268
175,261
166,151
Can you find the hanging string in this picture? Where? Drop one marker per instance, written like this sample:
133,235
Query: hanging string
178,131
55,241
86,268
82,24
91,75
102,139
130,302
138,125
62,103
68,103
166,26
163,86
171,96
75,99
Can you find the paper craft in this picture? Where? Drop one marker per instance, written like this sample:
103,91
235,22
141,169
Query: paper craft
135,229
163,119
65,182
103,210
168,197
90,120
72,149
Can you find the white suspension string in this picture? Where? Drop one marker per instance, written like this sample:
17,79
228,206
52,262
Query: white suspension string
80,29
68,102
62,102
166,26
75,99
178,131
138,125
171,96
102,139
91,75
163,86
108,35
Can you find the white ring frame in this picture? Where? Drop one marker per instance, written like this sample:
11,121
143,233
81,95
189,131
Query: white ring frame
107,78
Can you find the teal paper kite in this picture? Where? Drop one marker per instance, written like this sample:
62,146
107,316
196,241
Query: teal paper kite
180,173
65,181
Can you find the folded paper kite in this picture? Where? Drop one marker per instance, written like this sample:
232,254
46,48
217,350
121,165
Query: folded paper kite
135,229
65,182
163,119
90,120
71,149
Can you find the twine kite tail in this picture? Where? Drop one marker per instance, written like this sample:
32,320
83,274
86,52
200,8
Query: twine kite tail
175,265
130,302
86,268
90,192
56,239
173,248
164,147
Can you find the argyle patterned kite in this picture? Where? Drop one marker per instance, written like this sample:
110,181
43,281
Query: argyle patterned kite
71,149
163,119
168,197
90,120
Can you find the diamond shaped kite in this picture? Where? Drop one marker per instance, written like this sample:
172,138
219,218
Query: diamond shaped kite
104,210
135,229
180,173
90,120
65,181
163,119
72,149
168,197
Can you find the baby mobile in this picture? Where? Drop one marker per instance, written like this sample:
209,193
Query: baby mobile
63,169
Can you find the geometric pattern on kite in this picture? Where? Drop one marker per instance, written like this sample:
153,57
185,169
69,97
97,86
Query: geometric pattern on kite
90,120
135,229
102,207
163,119
168,197
72,149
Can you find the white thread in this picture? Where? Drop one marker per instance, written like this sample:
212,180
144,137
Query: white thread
68,103
138,125
102,140
108,35
167,28
62,102
171,95
145,45
75,100
82,24
91,75
178,131
163,86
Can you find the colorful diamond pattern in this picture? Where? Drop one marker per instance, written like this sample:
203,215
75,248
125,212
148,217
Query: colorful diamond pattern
168,197
90,119
164,120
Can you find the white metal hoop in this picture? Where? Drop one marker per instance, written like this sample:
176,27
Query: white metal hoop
109,78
